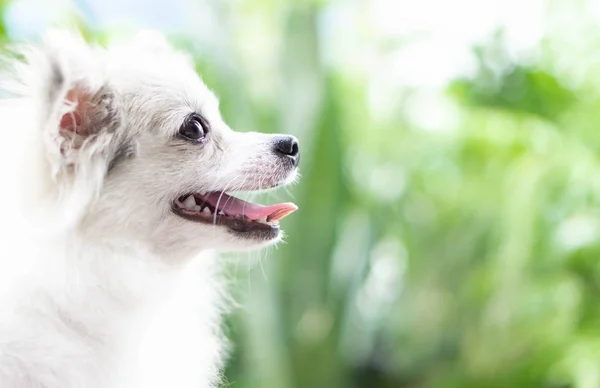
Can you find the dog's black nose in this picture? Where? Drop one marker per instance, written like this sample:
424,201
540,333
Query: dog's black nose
288,146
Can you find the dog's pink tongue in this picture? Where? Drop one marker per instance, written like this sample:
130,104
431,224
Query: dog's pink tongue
236,207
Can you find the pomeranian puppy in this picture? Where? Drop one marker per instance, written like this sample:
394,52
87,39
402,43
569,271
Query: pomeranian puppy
116,169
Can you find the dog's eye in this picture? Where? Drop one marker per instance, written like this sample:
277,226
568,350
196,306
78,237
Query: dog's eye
194,129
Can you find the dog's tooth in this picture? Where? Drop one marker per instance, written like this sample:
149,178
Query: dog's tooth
221,213
262,220
197,208
206,210
190,202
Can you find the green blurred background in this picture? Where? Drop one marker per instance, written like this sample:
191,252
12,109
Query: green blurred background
450,200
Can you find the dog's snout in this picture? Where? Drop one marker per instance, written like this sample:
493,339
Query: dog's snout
288,146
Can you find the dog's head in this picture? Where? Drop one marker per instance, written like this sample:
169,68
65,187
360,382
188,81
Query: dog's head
135,150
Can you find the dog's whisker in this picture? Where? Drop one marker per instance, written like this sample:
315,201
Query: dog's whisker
221,196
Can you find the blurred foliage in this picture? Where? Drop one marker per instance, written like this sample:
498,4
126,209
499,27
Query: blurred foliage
465,256
503,84
2,26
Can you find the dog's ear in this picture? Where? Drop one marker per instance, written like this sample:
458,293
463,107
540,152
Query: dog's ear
86,117
72,133
79,113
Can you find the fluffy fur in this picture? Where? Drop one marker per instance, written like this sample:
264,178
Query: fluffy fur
97,283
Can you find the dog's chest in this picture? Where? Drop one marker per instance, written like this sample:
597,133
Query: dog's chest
133,329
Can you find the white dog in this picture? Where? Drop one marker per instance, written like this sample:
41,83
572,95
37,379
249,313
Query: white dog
114,165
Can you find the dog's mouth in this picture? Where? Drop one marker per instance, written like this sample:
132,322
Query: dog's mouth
219,208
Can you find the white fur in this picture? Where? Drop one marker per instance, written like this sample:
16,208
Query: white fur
97,283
